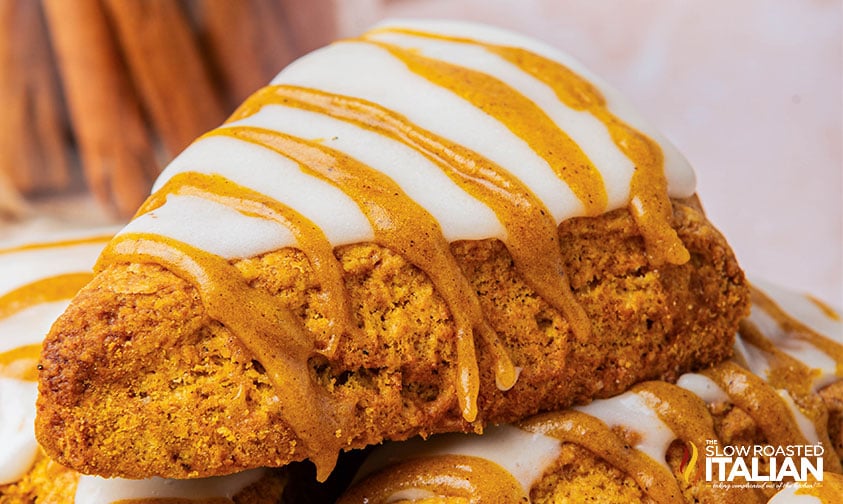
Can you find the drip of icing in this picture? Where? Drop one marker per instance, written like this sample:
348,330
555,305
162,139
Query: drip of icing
410,230
97,490
806,425
703,387
17,428
534,247
468,478
630,411
267,329
304,232
41,278
525,455
648,187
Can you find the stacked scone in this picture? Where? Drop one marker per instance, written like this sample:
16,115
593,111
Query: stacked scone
778,404
432,228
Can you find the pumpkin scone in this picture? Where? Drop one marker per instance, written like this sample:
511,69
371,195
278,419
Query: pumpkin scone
766,424
37,281
431,227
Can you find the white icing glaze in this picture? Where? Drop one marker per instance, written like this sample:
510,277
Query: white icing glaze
806,426
588,132
460,215
788,495
703,387
366,71
803,309
754,358
629,410
233,235
18,448
680,176
807,312
277,176
524,454
30,325
97,490
21,267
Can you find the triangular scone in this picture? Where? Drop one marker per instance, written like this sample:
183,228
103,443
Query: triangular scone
37,280
427,228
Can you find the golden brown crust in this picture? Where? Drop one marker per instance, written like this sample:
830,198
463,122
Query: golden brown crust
138,380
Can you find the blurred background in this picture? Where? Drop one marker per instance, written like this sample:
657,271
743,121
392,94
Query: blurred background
96,96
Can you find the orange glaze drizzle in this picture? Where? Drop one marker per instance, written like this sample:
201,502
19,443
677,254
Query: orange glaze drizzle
21,362
825,308
532,236
474,479
649,203
571,426
260,323
797,329
760,401
794,376
311,240
689,419
46,290
521,116
57,244
404,226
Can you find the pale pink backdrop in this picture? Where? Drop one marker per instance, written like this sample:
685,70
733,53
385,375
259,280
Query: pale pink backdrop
749,90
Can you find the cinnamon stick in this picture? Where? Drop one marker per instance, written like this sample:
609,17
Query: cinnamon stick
248,43
114,144
167,66
33,145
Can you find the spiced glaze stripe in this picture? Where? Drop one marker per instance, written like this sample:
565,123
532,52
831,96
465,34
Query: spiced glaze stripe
655,413
520,152
37,281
